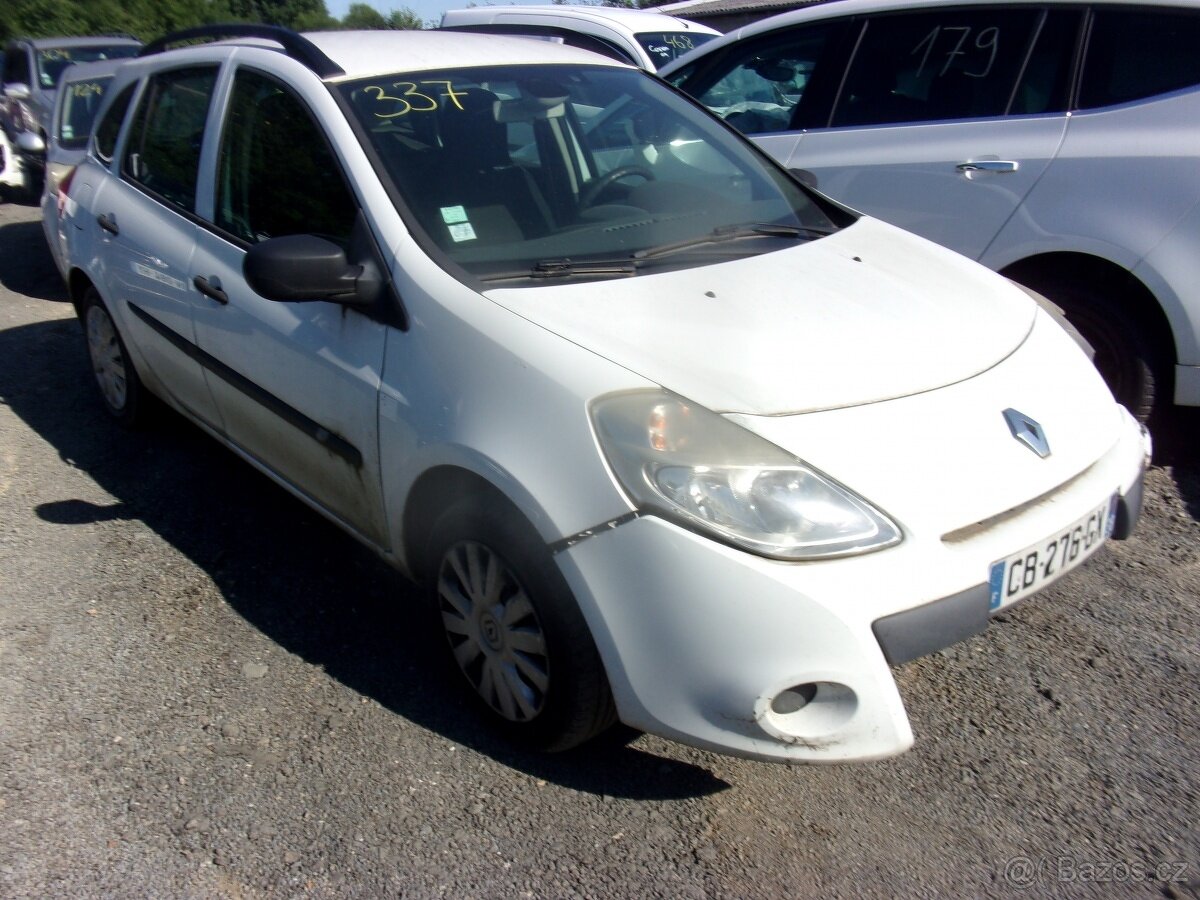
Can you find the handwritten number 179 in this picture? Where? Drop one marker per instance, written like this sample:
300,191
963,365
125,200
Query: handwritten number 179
986,41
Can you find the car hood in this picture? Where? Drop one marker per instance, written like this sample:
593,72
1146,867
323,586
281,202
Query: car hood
870,313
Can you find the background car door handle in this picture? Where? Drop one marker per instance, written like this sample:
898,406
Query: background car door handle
209,290
108,223
989,165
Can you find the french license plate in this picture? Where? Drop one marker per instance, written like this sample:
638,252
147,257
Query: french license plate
1023,573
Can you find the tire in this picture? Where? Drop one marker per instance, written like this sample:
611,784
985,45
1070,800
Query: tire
513,629
121,392
1126,355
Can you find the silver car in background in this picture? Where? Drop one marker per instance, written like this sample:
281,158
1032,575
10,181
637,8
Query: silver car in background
32,67
1057,143
81,89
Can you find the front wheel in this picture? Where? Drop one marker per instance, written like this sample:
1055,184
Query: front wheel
1126,355
514,630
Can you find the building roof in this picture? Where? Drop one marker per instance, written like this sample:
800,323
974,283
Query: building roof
726,15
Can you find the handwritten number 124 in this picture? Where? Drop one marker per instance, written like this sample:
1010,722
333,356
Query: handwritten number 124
986,40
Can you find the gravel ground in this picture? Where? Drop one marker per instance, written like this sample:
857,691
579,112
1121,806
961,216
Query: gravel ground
208,691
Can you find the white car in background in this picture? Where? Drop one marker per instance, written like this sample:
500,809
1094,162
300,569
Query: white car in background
664,435
645,38
1057,143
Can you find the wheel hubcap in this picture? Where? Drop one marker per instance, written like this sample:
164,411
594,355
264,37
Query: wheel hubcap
494,631
108,363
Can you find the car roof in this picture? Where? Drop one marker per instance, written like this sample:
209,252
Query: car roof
824,10
633,19
84,71
89,41
363,54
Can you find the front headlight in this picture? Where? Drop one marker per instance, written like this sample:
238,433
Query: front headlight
691,465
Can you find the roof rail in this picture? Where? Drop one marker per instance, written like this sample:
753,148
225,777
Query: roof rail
295,45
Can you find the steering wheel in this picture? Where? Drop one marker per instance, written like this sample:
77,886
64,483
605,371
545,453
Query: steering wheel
597,187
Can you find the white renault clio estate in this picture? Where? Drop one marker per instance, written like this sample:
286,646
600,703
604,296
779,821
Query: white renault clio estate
668,437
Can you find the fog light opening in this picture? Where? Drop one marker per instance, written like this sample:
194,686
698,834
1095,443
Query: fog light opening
807,711
793,699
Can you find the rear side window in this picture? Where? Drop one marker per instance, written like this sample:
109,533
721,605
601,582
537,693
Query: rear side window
277,174
1138,53
110,125
928,66
163,150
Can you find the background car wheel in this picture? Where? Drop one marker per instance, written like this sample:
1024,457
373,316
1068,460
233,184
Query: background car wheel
513,629
1126,355
120,389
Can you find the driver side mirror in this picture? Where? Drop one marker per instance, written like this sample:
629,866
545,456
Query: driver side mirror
17,91
303,267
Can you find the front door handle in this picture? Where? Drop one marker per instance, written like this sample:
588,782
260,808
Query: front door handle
989,165
108,222
208,290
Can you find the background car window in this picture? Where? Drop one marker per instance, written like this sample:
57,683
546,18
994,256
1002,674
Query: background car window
664,46
758,89
80,103
16,67
277,174
1136,53
949,64
163,151
53,60
110,125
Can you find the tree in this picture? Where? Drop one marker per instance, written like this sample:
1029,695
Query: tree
362,17
298,14
404,19
149,19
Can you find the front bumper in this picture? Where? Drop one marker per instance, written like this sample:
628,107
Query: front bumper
704,644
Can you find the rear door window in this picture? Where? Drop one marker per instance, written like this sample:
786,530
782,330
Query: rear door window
760,88
163,151
929,66
1137,53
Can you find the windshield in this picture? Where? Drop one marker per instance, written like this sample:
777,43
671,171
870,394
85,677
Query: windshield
52,60
664,46
80,102
540,169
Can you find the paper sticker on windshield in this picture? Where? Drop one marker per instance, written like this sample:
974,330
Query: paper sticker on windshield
452,215
463,232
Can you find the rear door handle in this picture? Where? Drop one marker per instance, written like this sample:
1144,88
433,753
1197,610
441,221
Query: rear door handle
989,165
108,222
208,290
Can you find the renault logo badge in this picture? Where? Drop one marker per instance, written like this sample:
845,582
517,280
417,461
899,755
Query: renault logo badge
1028,432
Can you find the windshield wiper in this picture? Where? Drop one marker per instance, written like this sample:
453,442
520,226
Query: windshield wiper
567,268
733,233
